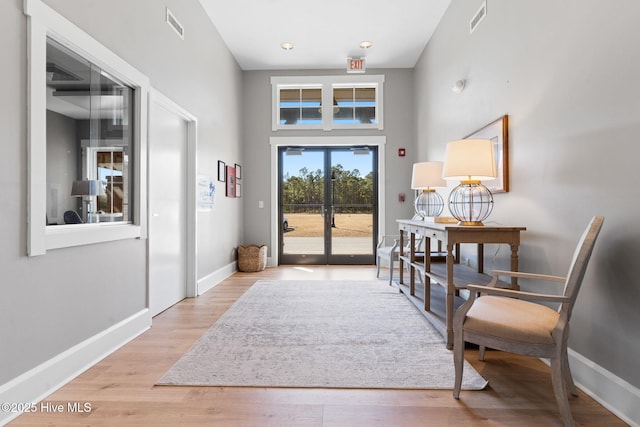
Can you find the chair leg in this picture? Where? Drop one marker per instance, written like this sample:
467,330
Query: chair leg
377,266
458,362
391,271
568,379
559,389
481,353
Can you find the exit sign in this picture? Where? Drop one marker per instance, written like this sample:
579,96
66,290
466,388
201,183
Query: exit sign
355,65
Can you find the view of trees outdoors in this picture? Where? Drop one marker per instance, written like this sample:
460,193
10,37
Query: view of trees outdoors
305,192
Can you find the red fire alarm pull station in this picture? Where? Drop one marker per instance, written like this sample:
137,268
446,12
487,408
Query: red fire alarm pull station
401,152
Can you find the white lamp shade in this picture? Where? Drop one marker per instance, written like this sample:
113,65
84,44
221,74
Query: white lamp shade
470,159
427,175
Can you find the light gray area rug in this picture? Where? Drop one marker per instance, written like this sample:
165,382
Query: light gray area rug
324,334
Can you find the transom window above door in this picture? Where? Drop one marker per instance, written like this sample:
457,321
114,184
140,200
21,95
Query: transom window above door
300,106
354,105
327,102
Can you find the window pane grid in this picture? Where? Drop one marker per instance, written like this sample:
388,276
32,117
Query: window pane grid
301,106
354,105
327,102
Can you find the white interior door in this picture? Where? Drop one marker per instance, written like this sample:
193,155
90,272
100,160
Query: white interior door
167,208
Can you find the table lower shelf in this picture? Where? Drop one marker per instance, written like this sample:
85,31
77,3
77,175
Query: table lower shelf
437,314
462,275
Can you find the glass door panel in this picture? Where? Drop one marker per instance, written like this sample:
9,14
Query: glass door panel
302,194
352,205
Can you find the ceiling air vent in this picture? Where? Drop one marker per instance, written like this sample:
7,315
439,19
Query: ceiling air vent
479,16
173,23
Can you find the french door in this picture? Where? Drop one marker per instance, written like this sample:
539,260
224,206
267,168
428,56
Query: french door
328,205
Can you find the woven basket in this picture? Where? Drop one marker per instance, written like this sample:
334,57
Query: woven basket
252,258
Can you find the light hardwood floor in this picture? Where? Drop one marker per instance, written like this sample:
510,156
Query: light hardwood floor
121,391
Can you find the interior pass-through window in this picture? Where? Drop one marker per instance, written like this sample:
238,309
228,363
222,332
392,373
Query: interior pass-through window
87,138
89,141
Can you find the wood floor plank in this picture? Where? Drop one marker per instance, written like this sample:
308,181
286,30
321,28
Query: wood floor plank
121,388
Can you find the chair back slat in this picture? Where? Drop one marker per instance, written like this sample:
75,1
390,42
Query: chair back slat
579,264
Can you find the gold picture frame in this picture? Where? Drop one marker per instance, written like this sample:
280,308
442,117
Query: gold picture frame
498,132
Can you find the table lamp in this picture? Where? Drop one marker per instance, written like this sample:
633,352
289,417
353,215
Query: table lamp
425,176
470,161
87,188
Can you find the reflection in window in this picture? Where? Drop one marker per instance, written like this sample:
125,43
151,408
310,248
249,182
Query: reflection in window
89,141
110,165
301,106
356,105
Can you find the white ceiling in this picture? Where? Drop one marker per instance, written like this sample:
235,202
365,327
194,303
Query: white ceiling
325,32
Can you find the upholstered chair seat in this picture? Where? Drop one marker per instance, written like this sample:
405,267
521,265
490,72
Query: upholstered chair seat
512,320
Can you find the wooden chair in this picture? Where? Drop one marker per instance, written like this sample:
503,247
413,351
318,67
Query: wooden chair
508,320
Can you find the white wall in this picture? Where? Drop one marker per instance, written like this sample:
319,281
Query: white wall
567,75
51,303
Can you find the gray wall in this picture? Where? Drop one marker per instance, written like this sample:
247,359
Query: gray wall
399,130
50,303
567,75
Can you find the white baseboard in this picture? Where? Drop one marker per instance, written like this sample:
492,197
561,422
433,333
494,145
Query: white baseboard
39,382
212,279
611,391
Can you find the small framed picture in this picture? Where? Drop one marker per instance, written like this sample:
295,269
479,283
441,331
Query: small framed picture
231,182
222,171
238,171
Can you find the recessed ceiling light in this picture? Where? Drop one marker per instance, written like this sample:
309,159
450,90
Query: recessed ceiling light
286,46
366,44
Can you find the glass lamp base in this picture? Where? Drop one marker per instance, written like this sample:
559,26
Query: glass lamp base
428,203
470,203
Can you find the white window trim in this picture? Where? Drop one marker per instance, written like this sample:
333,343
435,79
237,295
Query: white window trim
276,110
44,22
327,83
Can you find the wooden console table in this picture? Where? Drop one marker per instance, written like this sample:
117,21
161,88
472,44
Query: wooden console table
452,276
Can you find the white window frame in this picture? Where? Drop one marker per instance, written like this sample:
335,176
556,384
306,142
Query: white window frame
44,22
352,85
299,86
327,83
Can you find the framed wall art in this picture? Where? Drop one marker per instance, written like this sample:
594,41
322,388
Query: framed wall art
231,181
238,171
222,171
498,132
